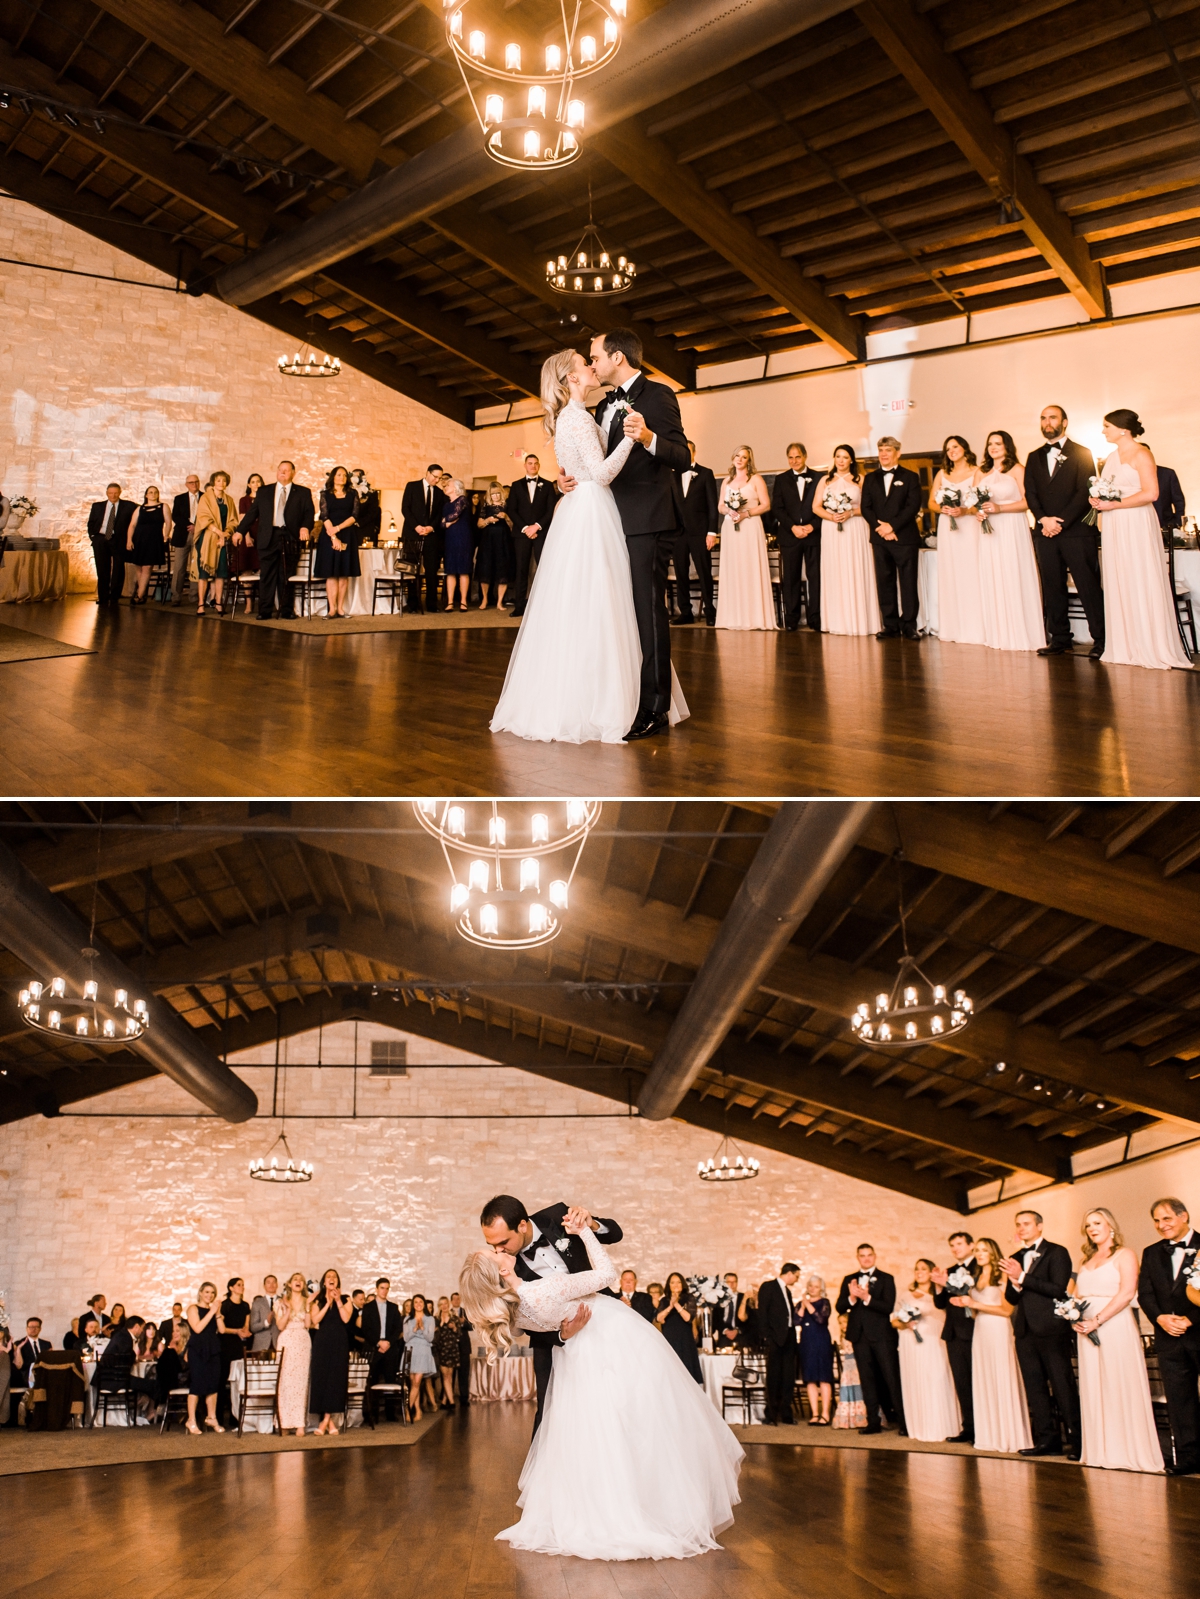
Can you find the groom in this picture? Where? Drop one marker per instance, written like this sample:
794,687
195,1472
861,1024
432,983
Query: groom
540,1246
650,500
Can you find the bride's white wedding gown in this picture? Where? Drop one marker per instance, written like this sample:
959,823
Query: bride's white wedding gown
575,671
631,1461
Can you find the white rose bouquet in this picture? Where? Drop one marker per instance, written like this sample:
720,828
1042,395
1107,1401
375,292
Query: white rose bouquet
973,497
910,1315
735,499
949,497
836,501
1099,488
1072,1310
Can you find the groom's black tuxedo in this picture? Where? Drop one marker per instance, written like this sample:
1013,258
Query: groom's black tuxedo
1064,493
571,1248
1163,1293
650,499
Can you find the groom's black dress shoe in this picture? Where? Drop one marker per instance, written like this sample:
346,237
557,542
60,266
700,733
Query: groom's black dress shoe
1039,1450
682,621
1182,1470
1096,652
1055,649
962,1438
869,1431
888,633
646,725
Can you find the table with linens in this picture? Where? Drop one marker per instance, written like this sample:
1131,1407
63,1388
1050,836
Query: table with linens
264,1420
717,1371
27,576
373,562
509,1378
116,1414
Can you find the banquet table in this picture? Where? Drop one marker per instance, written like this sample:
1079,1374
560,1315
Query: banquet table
718,1370
510,1378
29,575
116,1413
372,563
263,1421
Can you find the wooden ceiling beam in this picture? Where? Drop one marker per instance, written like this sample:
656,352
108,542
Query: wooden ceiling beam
913,44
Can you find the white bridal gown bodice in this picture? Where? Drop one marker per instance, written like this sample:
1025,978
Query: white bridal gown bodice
579,446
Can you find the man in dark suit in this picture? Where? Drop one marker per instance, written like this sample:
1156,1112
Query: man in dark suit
170,1325
798,530
422,541
108,529
632,1296
694,541
1170,504
650,499
891,503
115,1367
281,519
868,1298
465,1329
541,1245
726,1326
777,1321
183,533
1162,1294
958,1329
383,1340
28,1352
1038,1273
530,506
1056,491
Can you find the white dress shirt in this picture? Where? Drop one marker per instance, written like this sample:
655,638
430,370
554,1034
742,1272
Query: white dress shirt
193,501
281,499
625,388
531,483
106,527
887,482
541,1254
687,478
1029,1254
1188,1241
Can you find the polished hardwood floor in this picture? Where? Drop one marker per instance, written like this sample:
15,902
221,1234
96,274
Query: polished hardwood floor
420,1523
175,704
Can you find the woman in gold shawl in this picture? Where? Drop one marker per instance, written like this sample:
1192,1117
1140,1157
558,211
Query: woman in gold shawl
216,519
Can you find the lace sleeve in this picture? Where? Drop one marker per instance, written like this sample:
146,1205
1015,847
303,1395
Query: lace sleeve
586,443
545,1303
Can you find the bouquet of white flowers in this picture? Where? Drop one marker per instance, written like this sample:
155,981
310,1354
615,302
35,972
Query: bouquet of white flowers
1193,1277
23,506
1072,1310
974,496
709,1291
735,499
910,1315
962,1280
949,495
1099,488
836,501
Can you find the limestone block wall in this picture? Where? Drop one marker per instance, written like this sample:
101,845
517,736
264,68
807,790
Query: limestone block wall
105,382
144,1209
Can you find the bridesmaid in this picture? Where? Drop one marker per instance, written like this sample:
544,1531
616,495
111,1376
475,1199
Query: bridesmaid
1140,625
494,562
745,603
1008,574
1001,1416
931,1408
295,1354
960,600
1114,1391
849,597
816,1351
328,1315
146,541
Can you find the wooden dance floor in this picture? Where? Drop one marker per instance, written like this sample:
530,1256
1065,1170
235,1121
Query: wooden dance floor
420,1523
175,704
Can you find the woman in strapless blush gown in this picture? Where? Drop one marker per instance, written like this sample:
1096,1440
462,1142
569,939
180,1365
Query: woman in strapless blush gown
960,602
1114,1391
1140,627
931,1408
745,602
849,597
998,1394
1008,574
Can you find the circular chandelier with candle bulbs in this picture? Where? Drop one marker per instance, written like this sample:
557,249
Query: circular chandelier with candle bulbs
720,1168
907,1017
535,119
590,269
311,366
506,889
56,1008
272,1168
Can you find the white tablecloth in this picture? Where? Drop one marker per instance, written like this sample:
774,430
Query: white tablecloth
717,1370
117,1416
373,563
1187,572
262,1420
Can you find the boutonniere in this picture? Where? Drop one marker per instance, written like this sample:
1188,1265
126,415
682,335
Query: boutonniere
562,1245
621,405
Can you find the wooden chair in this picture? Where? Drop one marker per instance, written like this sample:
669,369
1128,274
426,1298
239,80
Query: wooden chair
360,1372
1185,617
304,585
370,1411
391,587
107,1398
159,586
239,582
175,1409
748,1386
260,1389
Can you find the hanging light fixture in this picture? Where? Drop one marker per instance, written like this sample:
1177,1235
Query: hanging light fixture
728,1164
307,363
916,1011
58,1009
271,1168
590,269
536,119
504,893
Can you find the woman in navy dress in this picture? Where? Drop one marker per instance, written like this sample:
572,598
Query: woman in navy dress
204,1358
494,563
460,538
676,1318
329,1374
146,541
337,546
816,1351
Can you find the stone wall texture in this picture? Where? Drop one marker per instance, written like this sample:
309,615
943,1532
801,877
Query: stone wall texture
144,1209
104,382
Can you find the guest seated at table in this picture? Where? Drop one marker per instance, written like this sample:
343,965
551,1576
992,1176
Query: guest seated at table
216,522
114,1319
459,556
494,558
89,1329
337,547
96,1307
146,541
114,1370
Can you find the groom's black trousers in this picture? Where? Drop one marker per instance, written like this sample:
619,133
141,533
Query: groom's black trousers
543,1364
649,560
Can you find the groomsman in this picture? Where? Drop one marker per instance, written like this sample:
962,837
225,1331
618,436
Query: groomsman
281,518
383,1340
891,503
867,1298
108,529
183,533
1039,1273
777,1318
958,1329
421,507
1162,1294
695,540
1057,491
798,530
1170,504
531,502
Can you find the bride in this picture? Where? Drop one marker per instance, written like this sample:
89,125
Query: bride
631,1461
575,671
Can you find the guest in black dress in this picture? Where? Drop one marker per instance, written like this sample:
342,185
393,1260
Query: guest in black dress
171,1370
243,553
494,559
749,1333
233,1325
816,1352
204,1357
458,558
146,541
329,1374
337,545
676,1316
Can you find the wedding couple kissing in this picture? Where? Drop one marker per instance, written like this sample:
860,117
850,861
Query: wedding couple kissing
592,660
629,1459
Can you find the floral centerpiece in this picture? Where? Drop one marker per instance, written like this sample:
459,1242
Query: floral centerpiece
709,1294
1099,488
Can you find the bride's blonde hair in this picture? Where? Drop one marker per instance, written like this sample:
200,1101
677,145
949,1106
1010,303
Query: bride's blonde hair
490,1304
555,393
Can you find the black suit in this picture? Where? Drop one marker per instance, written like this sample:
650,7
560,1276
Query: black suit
792,506
638,1301
422,505
699,519
1044,1345
895,559
725,1321
649,497
777,1323
526,510
385,1364
1170,504
958,1332
1162,1293
1076,549
549,1224
31,1350
875,1341
109,553
278,544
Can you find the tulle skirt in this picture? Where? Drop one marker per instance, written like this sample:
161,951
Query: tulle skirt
631,1461
575,671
